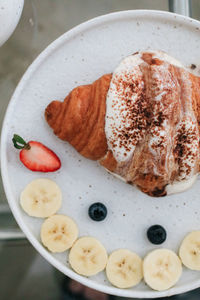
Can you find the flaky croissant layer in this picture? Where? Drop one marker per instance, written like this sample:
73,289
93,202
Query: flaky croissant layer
80,119
141,122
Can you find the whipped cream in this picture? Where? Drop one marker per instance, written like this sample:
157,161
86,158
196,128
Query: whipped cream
122,96
125,103
166,57
140,100
181,186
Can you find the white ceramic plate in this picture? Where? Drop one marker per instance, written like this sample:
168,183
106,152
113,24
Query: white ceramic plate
78,57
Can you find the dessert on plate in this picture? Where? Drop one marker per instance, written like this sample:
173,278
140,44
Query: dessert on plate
141,122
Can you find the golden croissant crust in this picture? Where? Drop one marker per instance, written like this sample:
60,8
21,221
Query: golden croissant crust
163,125
80,119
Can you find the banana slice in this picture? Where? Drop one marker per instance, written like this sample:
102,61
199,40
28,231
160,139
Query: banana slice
41,198
88,256
124,268
189,251
162,269
58,233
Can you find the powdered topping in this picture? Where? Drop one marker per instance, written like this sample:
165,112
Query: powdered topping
166,58
127,111
149,106
187,133
163,101
187,148
129,100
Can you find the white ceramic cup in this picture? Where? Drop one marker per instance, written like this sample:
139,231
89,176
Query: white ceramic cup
10,13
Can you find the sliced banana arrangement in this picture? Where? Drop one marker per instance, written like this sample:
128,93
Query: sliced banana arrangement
189,251
58,233
124,268
162,269
41,198
88,256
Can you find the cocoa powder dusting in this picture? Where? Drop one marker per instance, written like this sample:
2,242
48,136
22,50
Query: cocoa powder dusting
136,110
149,113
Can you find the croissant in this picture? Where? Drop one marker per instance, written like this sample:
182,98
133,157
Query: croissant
141,122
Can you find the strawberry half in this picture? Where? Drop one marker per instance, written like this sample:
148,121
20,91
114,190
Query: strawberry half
35,156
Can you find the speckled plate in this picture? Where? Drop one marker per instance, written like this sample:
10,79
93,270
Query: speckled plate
79,57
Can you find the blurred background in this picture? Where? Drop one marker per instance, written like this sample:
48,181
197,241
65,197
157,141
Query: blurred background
24,274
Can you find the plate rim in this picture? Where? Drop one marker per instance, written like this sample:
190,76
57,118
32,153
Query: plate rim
4,172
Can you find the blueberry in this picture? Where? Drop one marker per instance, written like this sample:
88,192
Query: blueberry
97,211
156,234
